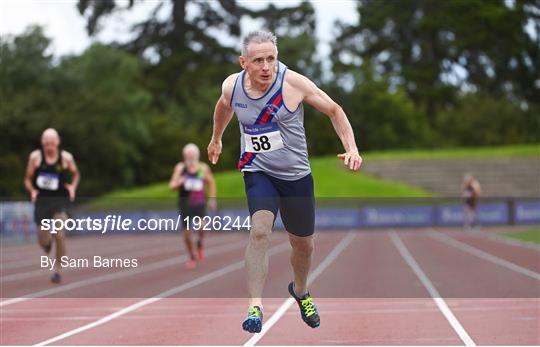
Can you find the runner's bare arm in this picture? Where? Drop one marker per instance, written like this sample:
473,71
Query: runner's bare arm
29,174
211,183
477,188
73,169
222,116
317,98
175,181
75,175
212,189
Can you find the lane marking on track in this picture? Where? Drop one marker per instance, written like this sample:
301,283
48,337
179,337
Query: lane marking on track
120,274
188,285
345,241
483,255
506,240
439,301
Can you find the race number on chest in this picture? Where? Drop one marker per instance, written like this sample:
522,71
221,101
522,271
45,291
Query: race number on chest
48,181
262,137
192,184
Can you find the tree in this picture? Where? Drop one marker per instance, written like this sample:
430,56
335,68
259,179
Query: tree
436,48
479,120
24,90
297,40
96,101
176,32
187,48
103,113
179,48
191,63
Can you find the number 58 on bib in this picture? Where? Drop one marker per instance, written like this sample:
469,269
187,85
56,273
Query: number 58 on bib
262,138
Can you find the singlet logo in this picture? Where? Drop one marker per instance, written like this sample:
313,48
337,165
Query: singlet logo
237,104
273,109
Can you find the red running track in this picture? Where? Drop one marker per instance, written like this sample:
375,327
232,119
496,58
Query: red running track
372,288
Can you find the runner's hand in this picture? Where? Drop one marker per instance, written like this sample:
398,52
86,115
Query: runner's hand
212,204
351,159
71,190
33,195
180,181
214,150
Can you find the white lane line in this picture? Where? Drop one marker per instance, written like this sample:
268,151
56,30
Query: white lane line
287,304
439,301
510,241
121,274
483,255
188,285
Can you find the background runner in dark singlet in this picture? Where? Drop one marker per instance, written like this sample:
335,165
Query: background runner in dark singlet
471,193
47,181
194,181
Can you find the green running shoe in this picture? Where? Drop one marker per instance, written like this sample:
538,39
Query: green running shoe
308,310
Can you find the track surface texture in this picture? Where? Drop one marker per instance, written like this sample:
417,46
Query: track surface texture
375,287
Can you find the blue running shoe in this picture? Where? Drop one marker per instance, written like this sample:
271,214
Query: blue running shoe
253,322
56,278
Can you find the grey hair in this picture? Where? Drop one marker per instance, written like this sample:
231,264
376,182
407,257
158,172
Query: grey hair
258,36
191,147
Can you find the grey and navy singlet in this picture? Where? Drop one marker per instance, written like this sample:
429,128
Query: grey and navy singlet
273,138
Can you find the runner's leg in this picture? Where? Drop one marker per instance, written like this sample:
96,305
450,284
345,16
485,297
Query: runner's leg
256,257
301,255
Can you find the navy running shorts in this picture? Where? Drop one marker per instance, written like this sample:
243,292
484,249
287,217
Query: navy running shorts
295,200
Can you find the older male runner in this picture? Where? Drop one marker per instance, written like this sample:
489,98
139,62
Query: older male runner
267,99
194,181
46,181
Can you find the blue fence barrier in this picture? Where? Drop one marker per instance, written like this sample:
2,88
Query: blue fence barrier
495,213
396,216
16,218
527,212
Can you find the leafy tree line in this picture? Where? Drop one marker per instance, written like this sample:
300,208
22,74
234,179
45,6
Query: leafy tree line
126,109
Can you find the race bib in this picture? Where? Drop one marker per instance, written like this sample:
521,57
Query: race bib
262,138
48,181
193,184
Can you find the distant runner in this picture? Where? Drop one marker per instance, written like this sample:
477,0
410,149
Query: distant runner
47,182
471,194
193,180
267,99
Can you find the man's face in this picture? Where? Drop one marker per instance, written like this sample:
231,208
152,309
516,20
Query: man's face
260,62
50,144
191,157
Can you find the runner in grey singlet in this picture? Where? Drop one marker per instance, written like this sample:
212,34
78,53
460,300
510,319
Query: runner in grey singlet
287,163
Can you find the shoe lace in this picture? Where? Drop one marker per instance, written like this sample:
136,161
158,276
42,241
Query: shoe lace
309,307
253,312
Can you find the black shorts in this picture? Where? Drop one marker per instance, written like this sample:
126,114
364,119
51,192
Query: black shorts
295,200
471,202
191,211
47,207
